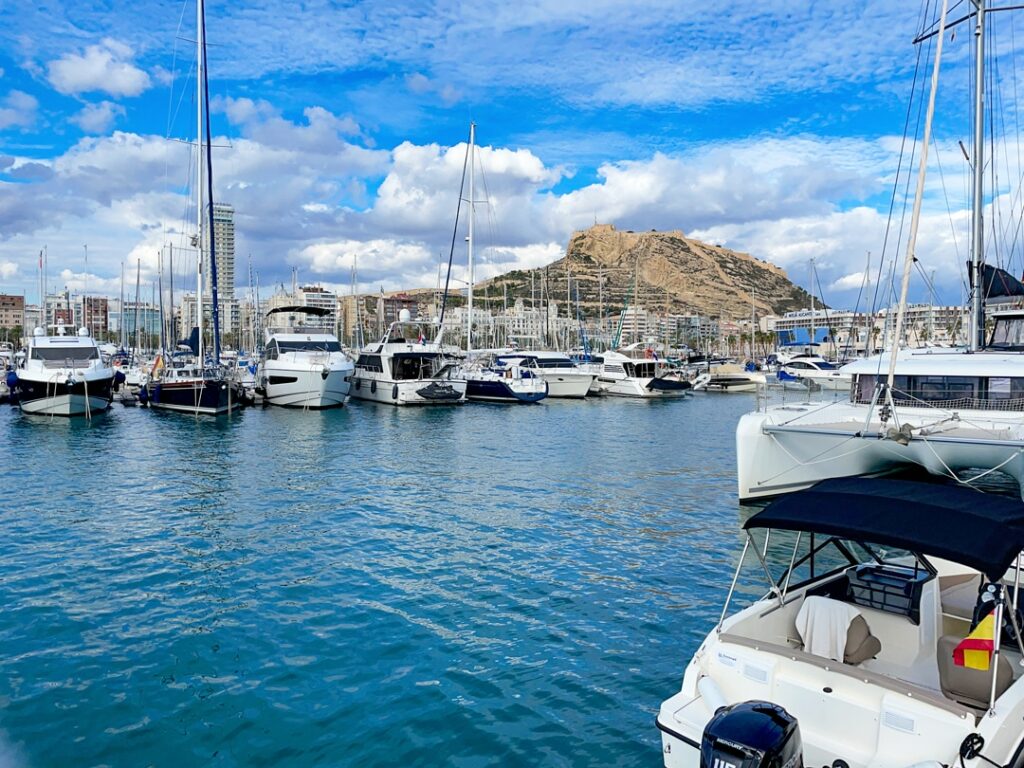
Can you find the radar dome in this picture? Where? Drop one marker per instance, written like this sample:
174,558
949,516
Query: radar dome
83,331
38,332
404,316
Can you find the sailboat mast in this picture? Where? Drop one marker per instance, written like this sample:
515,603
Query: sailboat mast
120,305
199,178
915,217
472,211
977,340
214,299
170,290
812,301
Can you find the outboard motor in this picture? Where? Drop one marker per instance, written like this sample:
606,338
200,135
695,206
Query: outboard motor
752,734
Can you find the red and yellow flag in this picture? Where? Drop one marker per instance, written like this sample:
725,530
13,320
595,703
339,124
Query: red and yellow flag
975,650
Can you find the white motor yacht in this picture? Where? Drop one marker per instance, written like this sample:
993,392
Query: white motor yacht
815,372
647,376
855,655
729,377
300,369
63,375
408,366
564,377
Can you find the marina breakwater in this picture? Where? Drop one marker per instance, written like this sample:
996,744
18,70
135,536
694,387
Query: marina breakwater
369,586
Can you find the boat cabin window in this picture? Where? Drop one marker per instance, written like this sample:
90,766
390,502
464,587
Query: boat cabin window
62,354
554,362
370,363
976,392
642,370
1008,334
309,346
406,367
271,351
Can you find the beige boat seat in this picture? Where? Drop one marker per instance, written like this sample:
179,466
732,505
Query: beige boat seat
958,594
969,686
825,626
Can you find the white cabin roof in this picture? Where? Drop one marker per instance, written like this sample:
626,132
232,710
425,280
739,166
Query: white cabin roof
942,362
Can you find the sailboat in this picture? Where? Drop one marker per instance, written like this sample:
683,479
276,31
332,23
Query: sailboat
487,379
943,410
195,385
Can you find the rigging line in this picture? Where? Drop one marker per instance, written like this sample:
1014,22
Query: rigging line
945,194
455,233
962,19
896,181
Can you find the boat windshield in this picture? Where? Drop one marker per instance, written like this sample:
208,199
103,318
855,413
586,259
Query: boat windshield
796,559
1008,334
420,366
309,346
62,354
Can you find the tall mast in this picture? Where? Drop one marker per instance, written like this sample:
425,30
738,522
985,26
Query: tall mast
812,301
214,299
977,339
170,291
472,211
120,306
199,178
915,217
138,338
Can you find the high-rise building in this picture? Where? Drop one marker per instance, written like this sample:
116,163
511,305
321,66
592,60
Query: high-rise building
224,246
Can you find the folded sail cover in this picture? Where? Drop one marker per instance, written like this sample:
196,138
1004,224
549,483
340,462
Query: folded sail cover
999,282
978,530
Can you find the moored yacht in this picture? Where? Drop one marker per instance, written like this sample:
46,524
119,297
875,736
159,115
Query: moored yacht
300,369
729,377
406,368
647,376
564,377
508,381
859,654
947,411
815,372
63,376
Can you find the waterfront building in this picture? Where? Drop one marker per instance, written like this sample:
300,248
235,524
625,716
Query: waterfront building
224,244
12,311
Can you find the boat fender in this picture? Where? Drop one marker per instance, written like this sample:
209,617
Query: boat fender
12,379
394,392
143,394
373,386
358,383
711,693
324,373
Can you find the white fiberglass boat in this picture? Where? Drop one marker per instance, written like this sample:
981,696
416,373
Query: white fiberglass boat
729,377
649,377
63,376
814,371
407,368
303,370
851,659
948,411
564,377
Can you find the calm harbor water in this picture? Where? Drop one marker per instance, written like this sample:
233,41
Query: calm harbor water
466,586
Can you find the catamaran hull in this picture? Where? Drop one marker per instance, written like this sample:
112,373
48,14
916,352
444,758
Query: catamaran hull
82,398
774,458
409,392
308,388
211,398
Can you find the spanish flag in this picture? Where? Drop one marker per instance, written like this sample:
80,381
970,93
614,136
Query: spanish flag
975,650
158,365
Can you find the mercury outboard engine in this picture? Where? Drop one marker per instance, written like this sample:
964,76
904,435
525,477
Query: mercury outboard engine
752,734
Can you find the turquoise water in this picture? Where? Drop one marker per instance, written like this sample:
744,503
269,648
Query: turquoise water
464,586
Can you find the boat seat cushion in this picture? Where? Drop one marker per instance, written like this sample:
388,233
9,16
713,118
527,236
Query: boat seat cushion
861,645
969,686
835,630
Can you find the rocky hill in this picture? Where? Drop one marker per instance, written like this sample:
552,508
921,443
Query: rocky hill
672,274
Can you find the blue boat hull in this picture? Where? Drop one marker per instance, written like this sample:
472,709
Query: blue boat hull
499,392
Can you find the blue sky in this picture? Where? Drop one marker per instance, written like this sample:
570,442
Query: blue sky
772,128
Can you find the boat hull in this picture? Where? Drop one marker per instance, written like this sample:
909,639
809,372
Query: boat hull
637,388
408,392
777,454
306,387
209,398
499,391
82,398
567,385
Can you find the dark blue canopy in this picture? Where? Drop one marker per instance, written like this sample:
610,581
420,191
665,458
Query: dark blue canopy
956,523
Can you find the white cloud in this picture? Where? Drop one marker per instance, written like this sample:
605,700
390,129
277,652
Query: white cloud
18,110
98,118
106,67
852,282
8,269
